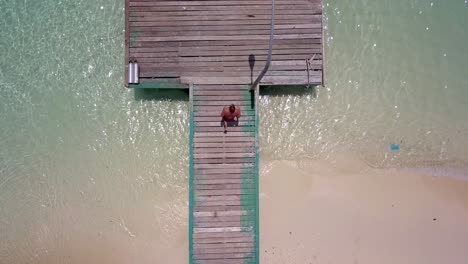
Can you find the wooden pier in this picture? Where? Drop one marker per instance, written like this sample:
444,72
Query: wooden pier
216,48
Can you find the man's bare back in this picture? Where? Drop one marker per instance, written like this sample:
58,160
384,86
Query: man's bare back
228,114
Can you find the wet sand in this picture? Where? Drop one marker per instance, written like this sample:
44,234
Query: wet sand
346,212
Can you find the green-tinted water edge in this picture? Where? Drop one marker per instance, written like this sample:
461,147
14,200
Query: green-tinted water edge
84,159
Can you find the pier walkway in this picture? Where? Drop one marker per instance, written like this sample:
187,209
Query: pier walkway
223,177
216,48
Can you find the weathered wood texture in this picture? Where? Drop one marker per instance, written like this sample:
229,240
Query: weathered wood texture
224,177
225,42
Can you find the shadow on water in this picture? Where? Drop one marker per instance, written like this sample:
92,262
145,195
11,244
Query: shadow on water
162,94
294,90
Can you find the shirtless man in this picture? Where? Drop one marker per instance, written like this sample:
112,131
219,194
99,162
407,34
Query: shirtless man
228,114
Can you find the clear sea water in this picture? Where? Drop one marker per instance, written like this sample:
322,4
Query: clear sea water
85,163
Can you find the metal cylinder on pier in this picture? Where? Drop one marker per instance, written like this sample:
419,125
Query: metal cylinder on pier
131,69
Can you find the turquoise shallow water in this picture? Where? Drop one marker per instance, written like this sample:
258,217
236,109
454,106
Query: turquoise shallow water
83,159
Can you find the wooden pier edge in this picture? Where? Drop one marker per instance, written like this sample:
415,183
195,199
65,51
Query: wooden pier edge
127,41
323,47
257,178
191,175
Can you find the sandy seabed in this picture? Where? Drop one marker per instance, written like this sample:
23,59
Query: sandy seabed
346,212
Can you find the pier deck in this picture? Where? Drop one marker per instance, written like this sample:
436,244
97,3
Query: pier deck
223,177
215,42
218,48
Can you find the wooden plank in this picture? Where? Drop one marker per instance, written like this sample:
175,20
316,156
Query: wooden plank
247,199
217,229
267,8
226,59
152,12
224,176
245,185
232,47
241,179
225,192
223,240
247,49
314,77
231,59
224,219
250,224
225,245
216,69
244,205
227,72
225,170
223,208
154,44
225,66
228,261
224,166
234,54
221,256
212,3
221,203
222,92
150,32
215,3
200,251
150,71
218,186
312,18
225,87
212,98
143,26
232,37
226,155
239,21
199,198
221,234
242,102
223,160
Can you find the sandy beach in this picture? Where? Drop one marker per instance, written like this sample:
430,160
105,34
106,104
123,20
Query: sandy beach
346,212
